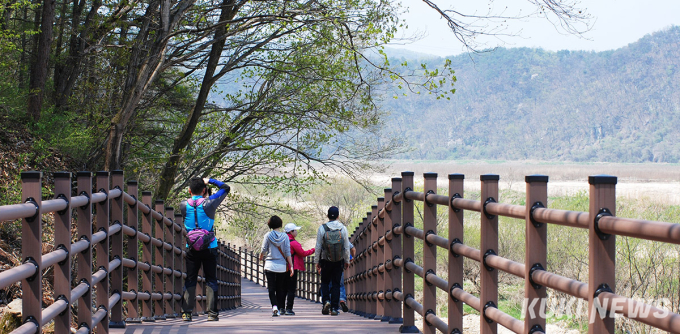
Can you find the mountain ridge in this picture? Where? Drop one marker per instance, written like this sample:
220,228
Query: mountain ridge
619,105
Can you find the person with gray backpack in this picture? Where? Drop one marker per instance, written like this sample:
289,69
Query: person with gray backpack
331,257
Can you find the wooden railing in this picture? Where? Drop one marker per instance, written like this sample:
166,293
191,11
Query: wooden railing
380,281
162,266
308,281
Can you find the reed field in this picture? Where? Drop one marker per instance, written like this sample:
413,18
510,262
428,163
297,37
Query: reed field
645,269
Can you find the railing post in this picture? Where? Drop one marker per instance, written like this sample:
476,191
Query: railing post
179,262
84,258
535,296
62,239
102,249
159,313
455,308
373,287
409,283
229,278
147,276
354,271
239,277
169,263
132,253
242,263
602,253
380,260
363,279
387,256
368,284
220,277
256,261
488,245
117,181
200,287
395,246
429,252
249,255
31,249
225,292
317,286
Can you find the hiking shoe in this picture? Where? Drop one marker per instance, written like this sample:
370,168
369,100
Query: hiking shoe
186,316
290,312
326,308
335,312
344,306
275,313
213,317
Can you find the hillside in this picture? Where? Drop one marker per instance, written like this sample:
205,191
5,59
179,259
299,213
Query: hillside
514,104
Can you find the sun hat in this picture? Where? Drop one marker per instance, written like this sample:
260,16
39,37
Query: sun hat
290,227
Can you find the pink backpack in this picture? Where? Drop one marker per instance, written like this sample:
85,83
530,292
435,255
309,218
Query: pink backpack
198,238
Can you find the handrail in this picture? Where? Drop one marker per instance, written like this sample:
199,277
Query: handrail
16,274
108,242
386,243
17,211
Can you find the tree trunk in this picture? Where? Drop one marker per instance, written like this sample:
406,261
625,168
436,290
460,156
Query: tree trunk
167,178
67,72
42,57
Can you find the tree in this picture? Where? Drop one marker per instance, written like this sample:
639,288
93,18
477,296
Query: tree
310,81
566,15
39,64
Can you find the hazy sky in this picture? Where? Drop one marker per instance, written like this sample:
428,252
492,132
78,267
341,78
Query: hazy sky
615,23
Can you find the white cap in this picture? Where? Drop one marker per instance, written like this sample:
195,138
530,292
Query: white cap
290,227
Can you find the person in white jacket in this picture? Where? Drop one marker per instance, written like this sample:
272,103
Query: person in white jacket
276,246
331,257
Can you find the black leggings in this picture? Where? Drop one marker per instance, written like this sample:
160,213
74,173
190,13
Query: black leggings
292,286
276,284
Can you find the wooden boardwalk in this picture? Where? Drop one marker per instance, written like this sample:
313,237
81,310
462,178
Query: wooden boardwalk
255,317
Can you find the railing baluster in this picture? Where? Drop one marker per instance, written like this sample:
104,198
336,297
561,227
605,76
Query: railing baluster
200,293
169,263
102,250
62,239
116,275
602,253
455,307
380,260
409,284
147,276
373,283
396,252
351,288
429,252
84,258
488,245
158,259
178,265
363,282
132,253
31,249
387,256
535,296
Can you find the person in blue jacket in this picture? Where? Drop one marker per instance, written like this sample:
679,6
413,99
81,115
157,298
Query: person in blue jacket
202,214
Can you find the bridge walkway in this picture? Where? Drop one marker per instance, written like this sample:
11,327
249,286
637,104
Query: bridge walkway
255,317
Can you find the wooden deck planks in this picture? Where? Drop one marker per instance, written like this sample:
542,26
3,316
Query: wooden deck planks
255,317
